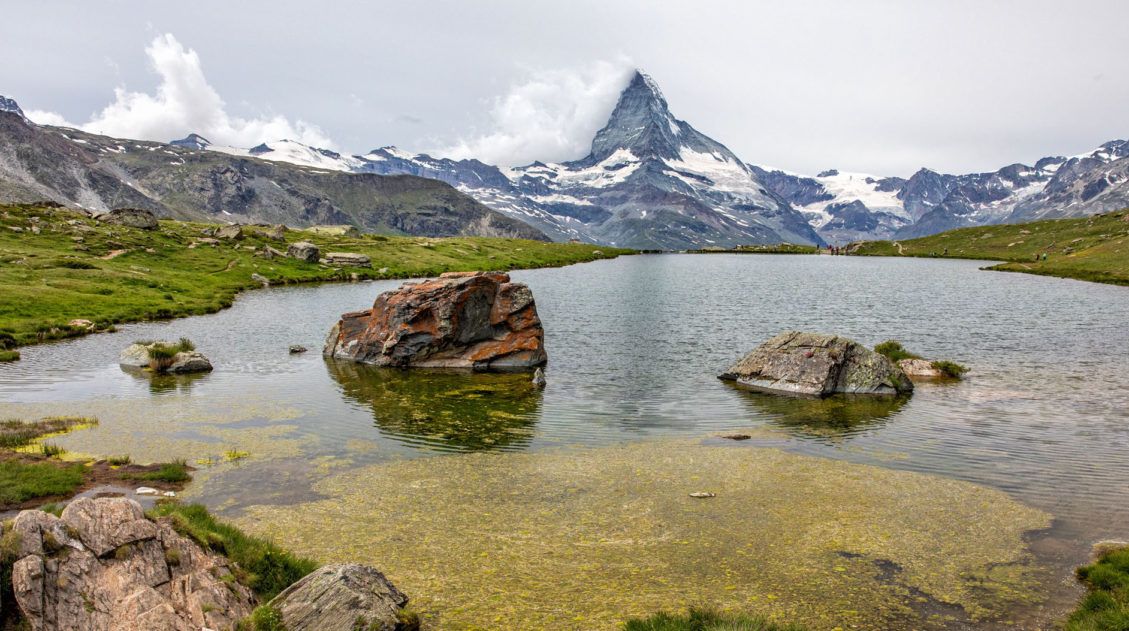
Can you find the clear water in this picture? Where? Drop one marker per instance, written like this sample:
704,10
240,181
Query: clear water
635,344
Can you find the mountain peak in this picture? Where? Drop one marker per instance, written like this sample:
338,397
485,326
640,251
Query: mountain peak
641,123
10,105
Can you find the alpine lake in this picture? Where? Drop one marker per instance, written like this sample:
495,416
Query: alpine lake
495,504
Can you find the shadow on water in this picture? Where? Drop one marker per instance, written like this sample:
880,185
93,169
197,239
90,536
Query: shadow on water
164,383
839,416
451,411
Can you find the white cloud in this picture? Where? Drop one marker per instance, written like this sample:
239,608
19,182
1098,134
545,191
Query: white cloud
184,103
551,116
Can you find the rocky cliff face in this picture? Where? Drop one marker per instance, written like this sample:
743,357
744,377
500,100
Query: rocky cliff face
185,181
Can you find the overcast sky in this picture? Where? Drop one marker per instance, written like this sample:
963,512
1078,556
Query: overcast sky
878,86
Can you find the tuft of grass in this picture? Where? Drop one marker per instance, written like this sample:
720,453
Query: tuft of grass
261,565
117,461
51,450
263,618
950,369
15,433
176,471
9,356
1106,605
21,481
894,350
705,619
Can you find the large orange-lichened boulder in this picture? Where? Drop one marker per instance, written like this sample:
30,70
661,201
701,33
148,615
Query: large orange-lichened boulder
471,320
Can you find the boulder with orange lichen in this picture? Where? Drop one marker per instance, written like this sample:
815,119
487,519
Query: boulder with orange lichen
470,320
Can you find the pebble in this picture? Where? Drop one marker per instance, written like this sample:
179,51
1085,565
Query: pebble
147,490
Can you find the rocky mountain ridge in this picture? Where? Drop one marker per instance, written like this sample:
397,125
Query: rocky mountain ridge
186,180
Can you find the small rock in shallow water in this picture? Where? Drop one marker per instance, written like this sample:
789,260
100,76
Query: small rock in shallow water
702,494
736,436
297,349
539,378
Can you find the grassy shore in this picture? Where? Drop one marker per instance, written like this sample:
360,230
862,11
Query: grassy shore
58,265
1088,248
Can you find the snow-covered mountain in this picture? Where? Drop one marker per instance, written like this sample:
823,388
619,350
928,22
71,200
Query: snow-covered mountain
653,181
849,206
650,181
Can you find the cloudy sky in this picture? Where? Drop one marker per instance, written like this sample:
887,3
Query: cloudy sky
877,86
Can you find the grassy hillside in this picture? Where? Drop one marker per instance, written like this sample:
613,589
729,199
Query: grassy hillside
1088,248
58,265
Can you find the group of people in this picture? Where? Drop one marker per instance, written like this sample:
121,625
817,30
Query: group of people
835,250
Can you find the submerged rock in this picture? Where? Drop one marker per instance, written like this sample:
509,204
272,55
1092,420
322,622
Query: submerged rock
811,364
345,596
130,217
297,348
103,565
922,368
476,320
303,251
539,378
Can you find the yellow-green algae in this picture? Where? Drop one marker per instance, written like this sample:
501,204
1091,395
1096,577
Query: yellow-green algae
583,538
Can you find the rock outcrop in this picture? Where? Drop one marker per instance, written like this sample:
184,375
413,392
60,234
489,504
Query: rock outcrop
347,596
811,364
470,320
231,232
347,259
304,251
136,355
131,217
104,566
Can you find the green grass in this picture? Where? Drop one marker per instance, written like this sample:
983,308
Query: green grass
700,619
20,481
771,248
1088,248
263,618
51,278
894,350
262,566
1106,605
172,472
950,369
9,356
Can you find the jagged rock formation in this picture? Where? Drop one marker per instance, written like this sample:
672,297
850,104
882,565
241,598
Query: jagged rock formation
470,320
104,566
183,181
811,364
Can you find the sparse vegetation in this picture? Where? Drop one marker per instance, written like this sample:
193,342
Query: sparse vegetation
42,297
117,461
176,471
161,355
261,565
235,454
950,369
15,433
894,350
1092,248
51,450
263,618
705,619
9,356
1106,605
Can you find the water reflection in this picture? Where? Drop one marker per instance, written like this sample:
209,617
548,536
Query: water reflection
451,411
161,383
839,416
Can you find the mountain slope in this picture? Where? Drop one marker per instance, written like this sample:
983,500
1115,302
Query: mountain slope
182,181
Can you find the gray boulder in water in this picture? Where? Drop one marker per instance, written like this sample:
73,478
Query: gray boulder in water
344,596
815,365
